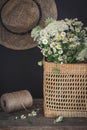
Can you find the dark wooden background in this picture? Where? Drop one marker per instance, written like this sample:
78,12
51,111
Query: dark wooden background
19,69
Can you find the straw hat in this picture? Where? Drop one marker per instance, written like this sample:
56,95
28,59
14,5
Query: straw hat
19,17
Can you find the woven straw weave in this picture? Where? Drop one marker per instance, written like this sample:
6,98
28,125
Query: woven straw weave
65,92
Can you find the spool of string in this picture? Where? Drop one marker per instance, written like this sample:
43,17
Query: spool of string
16,101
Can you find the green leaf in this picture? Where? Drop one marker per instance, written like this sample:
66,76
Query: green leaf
40,63
56,71
48,21
59,119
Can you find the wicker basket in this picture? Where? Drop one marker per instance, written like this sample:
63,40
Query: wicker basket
65,93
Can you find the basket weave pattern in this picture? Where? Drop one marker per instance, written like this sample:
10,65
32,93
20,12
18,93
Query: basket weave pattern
65,93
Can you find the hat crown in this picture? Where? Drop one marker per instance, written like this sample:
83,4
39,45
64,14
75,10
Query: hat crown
20,16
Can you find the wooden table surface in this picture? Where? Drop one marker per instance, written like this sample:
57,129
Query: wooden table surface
39,122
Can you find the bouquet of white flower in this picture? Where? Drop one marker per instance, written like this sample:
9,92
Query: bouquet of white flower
62,41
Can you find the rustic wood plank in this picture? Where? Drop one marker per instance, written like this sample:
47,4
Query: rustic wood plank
8,122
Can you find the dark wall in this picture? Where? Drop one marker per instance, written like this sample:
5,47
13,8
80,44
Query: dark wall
19,69
72,9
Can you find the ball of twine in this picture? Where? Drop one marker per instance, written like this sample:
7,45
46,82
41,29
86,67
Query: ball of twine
16,101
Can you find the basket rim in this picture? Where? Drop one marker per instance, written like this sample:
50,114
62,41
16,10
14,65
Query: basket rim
78,63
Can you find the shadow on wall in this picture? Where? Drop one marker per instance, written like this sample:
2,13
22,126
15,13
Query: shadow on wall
19,70
72,9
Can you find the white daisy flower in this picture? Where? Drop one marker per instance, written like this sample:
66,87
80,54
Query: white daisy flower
58,46
63,34
54,50
44,41
58,37
77,43
60,51
52,44
77,29
71,39
49,52
65,40
44,51
64,57
60,58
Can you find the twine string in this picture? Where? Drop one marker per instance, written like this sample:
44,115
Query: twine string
16,101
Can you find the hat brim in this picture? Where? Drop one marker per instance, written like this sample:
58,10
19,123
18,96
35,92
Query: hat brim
22,42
